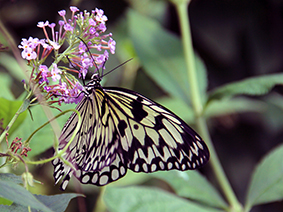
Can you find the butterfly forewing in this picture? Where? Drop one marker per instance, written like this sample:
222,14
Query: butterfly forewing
123,129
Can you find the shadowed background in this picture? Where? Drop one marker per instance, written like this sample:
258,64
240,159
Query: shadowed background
235,39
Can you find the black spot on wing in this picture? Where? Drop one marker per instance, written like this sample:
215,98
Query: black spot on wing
138,112
103,106
122,126
158,123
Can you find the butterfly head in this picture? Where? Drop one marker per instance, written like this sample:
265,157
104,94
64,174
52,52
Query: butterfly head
96,77
94,82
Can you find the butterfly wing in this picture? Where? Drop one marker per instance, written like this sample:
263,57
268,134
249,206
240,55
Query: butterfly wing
153,138
93,151
123,129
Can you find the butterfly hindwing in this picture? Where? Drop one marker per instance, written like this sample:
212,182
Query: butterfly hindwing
123,129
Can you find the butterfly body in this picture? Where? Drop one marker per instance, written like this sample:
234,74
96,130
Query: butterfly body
122,130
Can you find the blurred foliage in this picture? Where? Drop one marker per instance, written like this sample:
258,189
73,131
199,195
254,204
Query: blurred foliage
234,40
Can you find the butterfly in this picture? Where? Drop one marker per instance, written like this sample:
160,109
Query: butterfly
122,129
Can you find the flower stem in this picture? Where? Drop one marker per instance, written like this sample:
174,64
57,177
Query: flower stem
182,10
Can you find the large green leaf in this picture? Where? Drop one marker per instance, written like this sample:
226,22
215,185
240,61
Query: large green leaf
5,84
20,195
59,202
273,117
56,203
22,198
215,108
11,64
267,180
236,105
259,85
137,199
11,178
194,186
8,109
161,54
179,107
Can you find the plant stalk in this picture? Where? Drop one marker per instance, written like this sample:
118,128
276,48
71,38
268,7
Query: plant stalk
182,10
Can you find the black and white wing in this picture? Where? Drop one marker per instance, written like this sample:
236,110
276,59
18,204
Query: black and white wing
123,129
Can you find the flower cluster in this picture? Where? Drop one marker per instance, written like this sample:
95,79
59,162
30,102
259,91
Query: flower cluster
88,46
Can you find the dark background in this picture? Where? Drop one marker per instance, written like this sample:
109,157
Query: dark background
236,39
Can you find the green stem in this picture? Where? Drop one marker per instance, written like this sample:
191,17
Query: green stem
181,7
61,152
100,205
22,108
182,10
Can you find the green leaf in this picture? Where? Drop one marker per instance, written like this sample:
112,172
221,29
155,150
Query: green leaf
259,85
8,110
5,84
11,64
179,107
161,54
236,105
44,138
274,114
131,178
20,195
56,203
194,186
136,198
59,202
202,78
4,201
267,180
11,178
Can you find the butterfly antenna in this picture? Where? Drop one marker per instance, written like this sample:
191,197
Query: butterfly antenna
88,50
117,67
75,68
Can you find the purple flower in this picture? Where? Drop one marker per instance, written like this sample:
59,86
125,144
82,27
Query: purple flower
61,23
98,47
68,27
101,27
106,54
112,45
101,59
99,12
47,88
44,72
44,44
31,43
99,16
62,12
82,48
42,24
74,9
55,45
92,30
55,73
91,22
29,54
82,73
24,44
52,25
